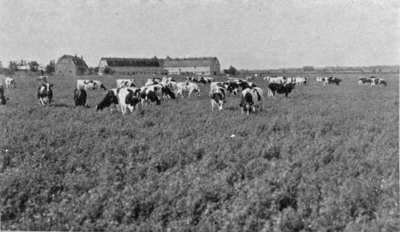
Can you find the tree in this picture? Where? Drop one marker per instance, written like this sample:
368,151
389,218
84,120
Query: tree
232,70
108,70
33,66
51,67
13,66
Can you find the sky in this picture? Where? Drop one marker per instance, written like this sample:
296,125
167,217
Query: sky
251,34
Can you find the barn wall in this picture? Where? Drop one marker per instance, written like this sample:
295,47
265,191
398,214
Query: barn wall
65,67
200,70
137,70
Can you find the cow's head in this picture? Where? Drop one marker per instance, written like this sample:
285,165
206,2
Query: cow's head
103,86
109,99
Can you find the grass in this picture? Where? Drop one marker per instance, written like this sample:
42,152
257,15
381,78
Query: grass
324,159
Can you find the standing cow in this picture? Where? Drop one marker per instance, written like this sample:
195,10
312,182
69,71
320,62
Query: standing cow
90,85
80,97
251,99
274,88
188,87
3,99
217,95
10,82
45,94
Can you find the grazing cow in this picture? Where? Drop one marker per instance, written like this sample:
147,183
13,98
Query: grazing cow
153,81
80,97
365,80
3,99
110,98
188,87
151,93
125,83
378,81
45,93
217,95
128,98
89,84
280,88
278,80
331,80
233,86
251,99
10,82
300,80
206,80
319,79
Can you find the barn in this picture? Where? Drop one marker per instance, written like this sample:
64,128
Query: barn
130,66
196,65
68,65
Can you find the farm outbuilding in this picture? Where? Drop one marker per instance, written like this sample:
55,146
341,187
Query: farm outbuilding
68,65
197,65
130,66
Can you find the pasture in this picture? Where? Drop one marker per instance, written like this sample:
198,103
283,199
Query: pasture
323,159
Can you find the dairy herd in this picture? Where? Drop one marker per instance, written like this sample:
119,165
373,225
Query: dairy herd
128,96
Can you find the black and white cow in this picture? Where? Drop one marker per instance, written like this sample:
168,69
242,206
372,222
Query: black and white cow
10,82
110,98
153,81
364,81
125,83
378,81
330,80
188,87
80,97
274,88
3,99
217,95
251,99
45,93
151,93
234,85
90,85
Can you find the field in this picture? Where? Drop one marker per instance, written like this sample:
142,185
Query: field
324,159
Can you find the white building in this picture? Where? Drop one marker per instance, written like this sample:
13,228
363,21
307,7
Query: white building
195,65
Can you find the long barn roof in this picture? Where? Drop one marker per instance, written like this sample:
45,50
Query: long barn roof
132,62
189,62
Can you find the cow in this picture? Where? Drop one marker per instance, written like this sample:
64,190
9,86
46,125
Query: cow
128,98
217,95
300,80
365,80
278,80
45,93
378,81
125,83
274,88
233,86
3,99
111,97
206,80
330,80
188,87
43,78
251,99
80,97
90,85
151,93
10,82
153,81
